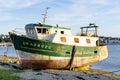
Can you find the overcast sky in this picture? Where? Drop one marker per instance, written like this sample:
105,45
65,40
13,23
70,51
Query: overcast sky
69,13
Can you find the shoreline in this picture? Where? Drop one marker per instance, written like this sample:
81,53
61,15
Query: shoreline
50,74
64,75
102,72
8,59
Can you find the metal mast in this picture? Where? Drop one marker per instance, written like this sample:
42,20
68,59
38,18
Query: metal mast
45,15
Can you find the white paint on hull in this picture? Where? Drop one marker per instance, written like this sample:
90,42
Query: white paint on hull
77,62
33,56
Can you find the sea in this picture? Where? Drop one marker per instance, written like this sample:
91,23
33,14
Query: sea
9,50
111,64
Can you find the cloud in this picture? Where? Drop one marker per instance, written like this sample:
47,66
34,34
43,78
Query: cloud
71,13
82,12
15,4
7,7
86,10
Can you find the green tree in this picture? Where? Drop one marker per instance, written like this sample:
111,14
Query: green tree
0,40
7,40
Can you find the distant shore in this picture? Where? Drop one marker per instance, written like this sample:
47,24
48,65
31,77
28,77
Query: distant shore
6,44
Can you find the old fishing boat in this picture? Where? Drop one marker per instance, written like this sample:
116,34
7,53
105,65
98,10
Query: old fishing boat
54,47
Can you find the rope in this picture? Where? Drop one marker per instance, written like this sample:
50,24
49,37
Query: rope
72,58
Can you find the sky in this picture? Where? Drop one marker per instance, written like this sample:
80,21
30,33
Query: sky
68,13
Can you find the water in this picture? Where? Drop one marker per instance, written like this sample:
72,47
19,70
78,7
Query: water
112,63
9,50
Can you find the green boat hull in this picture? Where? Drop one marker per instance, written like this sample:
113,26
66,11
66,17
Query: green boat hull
41,54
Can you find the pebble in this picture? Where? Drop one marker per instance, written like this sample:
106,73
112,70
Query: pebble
55,74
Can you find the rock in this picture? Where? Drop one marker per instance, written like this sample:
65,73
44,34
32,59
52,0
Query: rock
62,75
9,66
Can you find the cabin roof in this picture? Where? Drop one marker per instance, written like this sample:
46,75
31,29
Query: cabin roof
45,26
90,26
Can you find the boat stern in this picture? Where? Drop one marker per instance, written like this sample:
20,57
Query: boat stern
103,52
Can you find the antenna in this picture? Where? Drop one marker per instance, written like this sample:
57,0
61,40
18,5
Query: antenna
45,15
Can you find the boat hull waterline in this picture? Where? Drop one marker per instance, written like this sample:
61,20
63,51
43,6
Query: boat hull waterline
40,54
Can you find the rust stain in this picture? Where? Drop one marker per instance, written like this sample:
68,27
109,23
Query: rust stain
56,64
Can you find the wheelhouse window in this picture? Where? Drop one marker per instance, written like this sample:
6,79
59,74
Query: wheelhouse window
30,31
76,40
27,31
39,30
63,39
88,41
42,30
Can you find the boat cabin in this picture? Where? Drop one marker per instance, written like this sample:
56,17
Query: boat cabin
42,31
62,35
91,30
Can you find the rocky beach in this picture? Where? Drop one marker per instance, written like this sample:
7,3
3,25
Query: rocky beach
12,63
30,74
63,75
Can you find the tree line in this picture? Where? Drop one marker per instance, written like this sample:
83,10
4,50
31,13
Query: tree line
5,40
